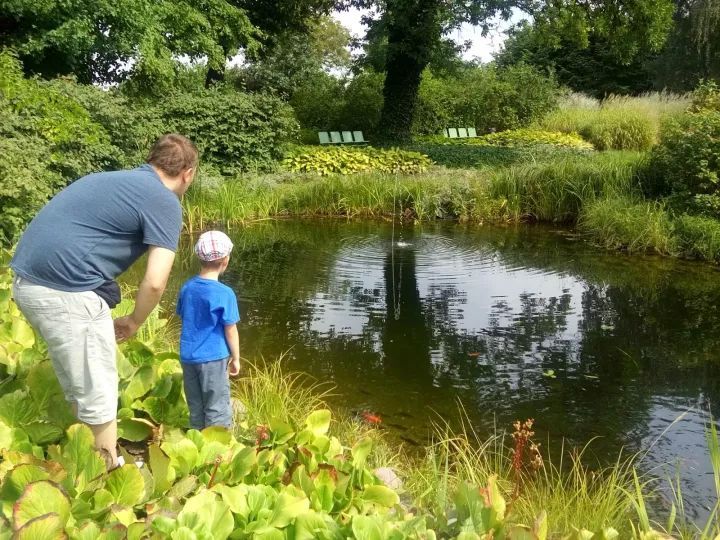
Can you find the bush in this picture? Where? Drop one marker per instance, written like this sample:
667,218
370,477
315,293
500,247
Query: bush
686,163
706,97
363,102
234,131
348,160
518,138
486,98
317,103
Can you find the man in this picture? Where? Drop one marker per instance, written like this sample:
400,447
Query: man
69,256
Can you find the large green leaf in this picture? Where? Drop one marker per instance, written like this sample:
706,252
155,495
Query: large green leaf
38,499
6,436
380,495
311,525
235,497
367,528
361,451
183,455
126,485
43,384
319,421
43,433
18,478
241,465
22,333
18,409
140,384
212,512
163,473
47,527
291,503
87,531
79,457
165,411
135,429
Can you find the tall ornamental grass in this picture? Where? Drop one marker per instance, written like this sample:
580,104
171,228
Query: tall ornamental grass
618,122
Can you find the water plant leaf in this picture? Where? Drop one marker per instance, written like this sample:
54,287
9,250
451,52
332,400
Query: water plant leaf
38,499
183,487
135,429
140,384
126,485
319,421
18,478
88,531
218,434
380,495
235,497
46,527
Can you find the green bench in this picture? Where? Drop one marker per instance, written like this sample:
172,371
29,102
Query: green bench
460,133
341,137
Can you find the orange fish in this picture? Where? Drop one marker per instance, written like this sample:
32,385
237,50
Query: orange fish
371,418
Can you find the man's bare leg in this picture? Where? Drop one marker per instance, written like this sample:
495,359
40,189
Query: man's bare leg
105,436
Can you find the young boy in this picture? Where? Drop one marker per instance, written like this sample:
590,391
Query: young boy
209,343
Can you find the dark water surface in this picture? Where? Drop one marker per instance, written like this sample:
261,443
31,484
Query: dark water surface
513,322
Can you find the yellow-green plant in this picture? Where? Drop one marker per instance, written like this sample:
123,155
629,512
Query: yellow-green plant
349,160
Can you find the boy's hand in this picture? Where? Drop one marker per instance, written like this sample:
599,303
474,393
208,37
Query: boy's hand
234,367
125,327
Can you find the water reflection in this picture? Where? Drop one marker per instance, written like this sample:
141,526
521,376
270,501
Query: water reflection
515,323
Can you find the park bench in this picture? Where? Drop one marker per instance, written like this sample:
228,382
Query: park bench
460,133
341,137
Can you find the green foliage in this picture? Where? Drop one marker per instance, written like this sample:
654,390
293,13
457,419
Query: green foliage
349,160
362,103
706,97
486,98
234,131
686,163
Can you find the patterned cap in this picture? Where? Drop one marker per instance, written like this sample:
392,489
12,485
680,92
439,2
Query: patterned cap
213,245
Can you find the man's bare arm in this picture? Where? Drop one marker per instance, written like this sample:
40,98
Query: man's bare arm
157,272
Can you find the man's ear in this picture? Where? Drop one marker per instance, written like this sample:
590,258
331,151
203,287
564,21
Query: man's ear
188,175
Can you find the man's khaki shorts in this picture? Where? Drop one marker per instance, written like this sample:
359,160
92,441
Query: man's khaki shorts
80,336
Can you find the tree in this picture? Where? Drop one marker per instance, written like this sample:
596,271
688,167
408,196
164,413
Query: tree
416,27
106,41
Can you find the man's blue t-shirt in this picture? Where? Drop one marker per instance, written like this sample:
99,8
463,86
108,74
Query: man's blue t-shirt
94,229
205,306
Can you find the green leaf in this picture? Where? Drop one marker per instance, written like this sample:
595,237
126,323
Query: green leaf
183,455
380,495
126,485
22,333
141,383
18,478
311,525
241,465
38,499
288,506
212,512
18,409
135,429
218,434
319,422
183,533
361,451
79,457
47,527
163,473
183,487
235,497
43,384
367,528
6,436
88,531
43,433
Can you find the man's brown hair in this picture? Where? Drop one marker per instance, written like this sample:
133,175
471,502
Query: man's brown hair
173,154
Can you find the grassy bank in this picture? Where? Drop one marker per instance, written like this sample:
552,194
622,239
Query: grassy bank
547,191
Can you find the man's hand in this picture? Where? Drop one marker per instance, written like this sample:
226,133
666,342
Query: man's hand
234,367
125,328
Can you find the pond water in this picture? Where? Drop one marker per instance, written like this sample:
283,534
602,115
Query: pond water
515,323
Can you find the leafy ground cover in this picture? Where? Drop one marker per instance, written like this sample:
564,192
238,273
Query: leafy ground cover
322,160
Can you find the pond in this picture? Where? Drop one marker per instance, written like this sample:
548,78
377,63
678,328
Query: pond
514,323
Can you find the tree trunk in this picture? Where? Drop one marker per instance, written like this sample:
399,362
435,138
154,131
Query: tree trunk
214,76
412,30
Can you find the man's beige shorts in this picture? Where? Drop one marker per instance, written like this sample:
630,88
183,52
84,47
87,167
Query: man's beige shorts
79,332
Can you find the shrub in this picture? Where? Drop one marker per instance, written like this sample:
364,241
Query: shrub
706,97
687,160
518,138
486,98
348,160
233,130
363,102
318,102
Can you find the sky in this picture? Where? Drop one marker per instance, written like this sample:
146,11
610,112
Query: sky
482,47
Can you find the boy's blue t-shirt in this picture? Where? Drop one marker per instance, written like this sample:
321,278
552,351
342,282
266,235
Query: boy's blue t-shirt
205,306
